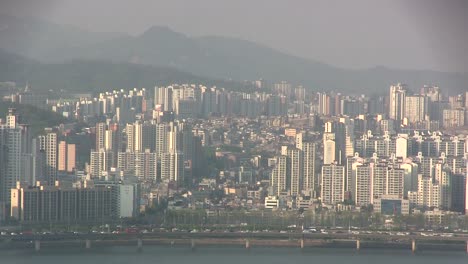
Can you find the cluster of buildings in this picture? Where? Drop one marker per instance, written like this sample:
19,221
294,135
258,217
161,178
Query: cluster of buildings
36,173
429,107
151,151
24,158
383,161
275,147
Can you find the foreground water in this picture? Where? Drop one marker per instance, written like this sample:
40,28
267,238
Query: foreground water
226,255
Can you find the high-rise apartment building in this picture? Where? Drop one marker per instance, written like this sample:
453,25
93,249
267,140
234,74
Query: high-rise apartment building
310,182
100,163
62,156
134,134
415,108
397,101
453,117
162,139
163,97
324,102
140,164
443,176
295,158
329,148
362,187
332,184
66,157
10,157
279,177
48,145
100,136
71,157
172,167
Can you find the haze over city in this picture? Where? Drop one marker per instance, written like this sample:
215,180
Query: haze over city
235,131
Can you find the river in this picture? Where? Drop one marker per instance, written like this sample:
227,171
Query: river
228,255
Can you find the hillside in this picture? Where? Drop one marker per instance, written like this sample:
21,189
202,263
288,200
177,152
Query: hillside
93,76
38,119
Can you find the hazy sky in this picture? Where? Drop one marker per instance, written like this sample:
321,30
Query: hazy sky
416,34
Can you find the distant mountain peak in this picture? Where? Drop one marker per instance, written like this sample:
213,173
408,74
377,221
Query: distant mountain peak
161,32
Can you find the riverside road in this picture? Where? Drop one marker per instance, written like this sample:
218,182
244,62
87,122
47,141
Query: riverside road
193,239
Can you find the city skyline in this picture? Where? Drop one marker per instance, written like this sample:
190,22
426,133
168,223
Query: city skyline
328,148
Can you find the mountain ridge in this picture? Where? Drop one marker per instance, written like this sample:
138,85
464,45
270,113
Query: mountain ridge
226,58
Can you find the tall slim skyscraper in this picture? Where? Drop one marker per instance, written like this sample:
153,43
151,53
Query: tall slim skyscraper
109,139
51,158
162,139
71,157
134,137
443,176
362,189
62,156
172,167
100,135
351,166
295,159
279,177
324,101
344,132
309,157
10,158
397,101
329,148
148,137
394,182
